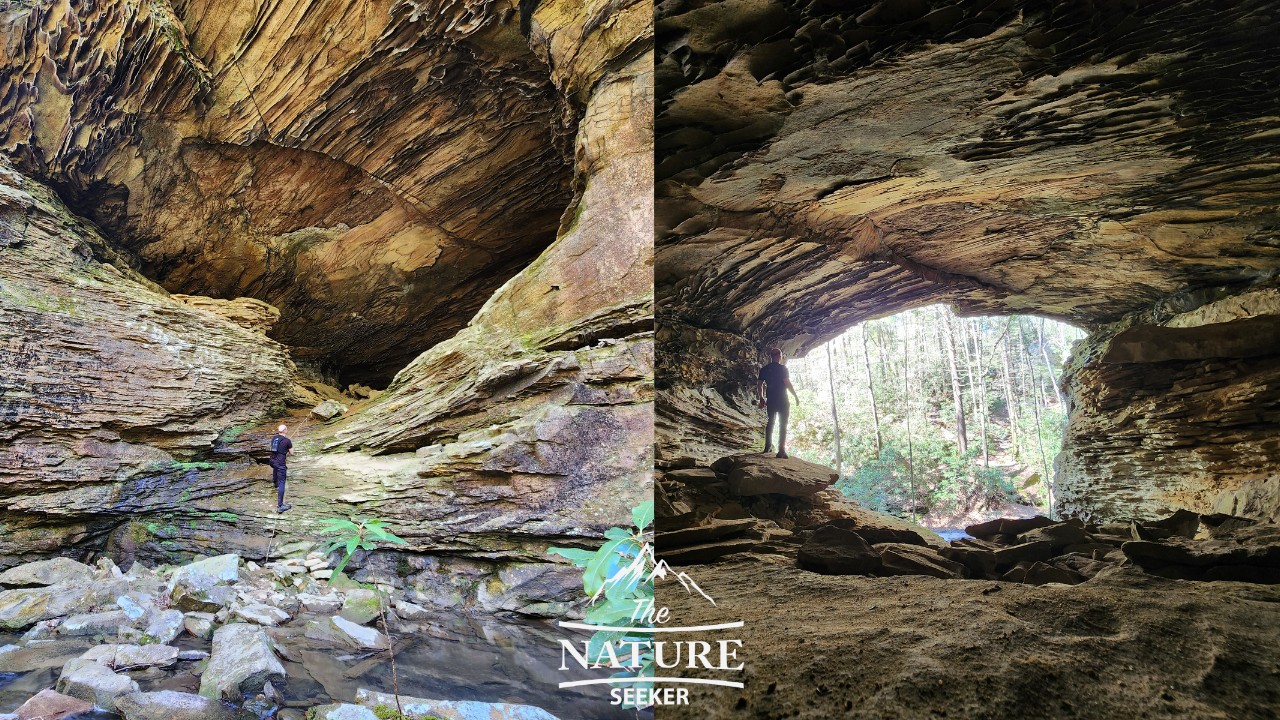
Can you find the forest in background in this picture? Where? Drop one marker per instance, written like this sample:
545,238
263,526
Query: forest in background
942,418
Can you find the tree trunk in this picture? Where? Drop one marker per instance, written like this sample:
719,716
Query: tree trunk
980,402
835,416
906,398
949,342
1010,399
1048,366
1035,409
871,390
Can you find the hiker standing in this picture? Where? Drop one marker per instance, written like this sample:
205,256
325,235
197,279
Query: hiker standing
281,446
771,393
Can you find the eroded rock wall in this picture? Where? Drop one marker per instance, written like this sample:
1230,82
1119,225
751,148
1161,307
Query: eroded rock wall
449,138
109,385
824,164
375,170
1177,407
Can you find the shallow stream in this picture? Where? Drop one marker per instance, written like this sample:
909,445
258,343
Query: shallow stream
453,658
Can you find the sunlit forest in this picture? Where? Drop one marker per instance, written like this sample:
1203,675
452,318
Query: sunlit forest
941,418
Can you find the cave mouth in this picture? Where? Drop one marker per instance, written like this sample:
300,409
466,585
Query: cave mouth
948,420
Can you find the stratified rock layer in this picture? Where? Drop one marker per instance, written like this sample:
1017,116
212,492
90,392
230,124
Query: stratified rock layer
108,384
374,170
380,174
824,164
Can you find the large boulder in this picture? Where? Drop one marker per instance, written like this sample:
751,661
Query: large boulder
201,585
329,409
171,705
242,662
835,551
45,572
94,682
453,709
761,474
51,705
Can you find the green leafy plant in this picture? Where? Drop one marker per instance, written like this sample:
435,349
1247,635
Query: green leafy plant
352,535
365,534
618,580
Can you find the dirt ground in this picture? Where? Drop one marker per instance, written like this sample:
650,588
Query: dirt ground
1123,645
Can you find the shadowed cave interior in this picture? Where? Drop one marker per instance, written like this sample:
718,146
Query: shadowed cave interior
1106,164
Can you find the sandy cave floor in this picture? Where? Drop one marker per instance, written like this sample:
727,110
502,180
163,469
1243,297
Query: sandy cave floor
1123,645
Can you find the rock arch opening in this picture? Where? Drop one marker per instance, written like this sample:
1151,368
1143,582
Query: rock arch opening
996,173
946,420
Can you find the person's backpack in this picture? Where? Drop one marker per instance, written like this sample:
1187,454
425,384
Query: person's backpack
275,444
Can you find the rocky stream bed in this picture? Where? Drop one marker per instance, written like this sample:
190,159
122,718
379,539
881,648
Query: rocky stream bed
222,638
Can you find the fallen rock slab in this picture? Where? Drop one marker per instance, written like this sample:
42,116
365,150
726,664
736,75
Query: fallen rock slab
908,559
708,552
103,623
198,624
758,474
1032,552
45,572
359,635
709,530
835,551
132,656
242,662
454,709
261,614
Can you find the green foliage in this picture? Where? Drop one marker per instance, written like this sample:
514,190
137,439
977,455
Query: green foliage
618,580
1006,369
359,534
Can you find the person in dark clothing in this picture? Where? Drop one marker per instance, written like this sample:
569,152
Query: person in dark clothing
281,446
771,393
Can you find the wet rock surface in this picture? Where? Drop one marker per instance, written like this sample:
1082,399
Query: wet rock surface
280,669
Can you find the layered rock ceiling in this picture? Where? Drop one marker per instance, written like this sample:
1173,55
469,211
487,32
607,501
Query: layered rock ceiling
1111,165
375,170
362,182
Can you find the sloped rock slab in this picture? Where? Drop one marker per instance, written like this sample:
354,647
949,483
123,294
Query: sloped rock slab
708,552
171,705
1007,526
132,656
711,529
759,474
52,705
908,559
454,709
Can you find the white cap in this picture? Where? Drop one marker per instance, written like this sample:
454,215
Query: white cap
282,428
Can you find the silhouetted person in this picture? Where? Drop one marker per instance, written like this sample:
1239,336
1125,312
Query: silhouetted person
281,446
771,392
